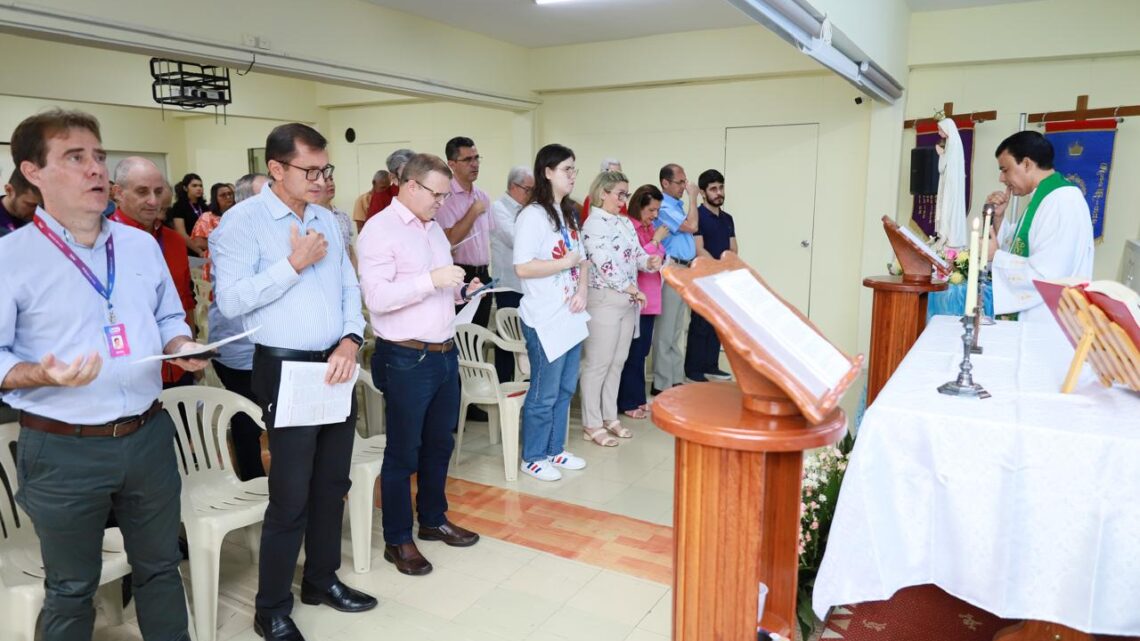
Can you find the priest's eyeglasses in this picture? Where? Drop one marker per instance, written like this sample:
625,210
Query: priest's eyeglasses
312,173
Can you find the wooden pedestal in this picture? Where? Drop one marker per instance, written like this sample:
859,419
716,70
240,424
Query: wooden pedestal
898,316
736,507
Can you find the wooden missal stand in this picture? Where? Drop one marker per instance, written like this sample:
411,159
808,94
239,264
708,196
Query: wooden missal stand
898,312
1098,340
739,456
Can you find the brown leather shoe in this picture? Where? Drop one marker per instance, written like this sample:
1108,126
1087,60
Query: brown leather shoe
449,533
407,559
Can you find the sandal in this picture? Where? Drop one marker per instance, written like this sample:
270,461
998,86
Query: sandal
638,413
617,429
599,436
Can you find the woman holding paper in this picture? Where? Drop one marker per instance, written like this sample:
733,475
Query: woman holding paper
549,263
613,303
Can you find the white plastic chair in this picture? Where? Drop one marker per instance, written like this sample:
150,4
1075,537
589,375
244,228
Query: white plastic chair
373,405
509,326
22,567
480,386
367,456
214,500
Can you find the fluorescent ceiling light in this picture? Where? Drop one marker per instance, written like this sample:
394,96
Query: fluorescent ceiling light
551,1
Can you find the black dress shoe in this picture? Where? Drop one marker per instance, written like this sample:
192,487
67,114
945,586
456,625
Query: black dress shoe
407,559
338,597
276,628
451,534
653,391
718,375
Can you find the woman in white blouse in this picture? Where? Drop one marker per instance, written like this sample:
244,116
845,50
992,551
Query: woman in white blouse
613,302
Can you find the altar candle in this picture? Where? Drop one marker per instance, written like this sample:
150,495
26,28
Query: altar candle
987,222
972,270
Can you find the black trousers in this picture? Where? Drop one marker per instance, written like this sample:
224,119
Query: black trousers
245,433
702,348
483,313
308,480
504,360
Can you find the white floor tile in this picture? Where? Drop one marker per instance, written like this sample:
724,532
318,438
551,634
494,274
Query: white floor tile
569,624
444,593
660,618
618,597
508,613
555,578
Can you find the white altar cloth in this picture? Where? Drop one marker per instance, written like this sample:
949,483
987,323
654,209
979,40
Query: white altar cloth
1026,504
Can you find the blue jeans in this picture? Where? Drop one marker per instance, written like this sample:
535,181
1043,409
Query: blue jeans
421,391
631,390
547,406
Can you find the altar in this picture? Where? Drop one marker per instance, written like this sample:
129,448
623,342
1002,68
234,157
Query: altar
1026,504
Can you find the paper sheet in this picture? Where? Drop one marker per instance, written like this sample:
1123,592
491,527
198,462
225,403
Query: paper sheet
924,248
303,398
806,355
466,239
205,348
467,314
561,333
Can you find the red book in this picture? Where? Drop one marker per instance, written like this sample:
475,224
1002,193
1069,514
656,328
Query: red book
1119,303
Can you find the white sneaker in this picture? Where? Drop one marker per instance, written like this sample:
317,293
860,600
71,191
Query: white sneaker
542,470
568,461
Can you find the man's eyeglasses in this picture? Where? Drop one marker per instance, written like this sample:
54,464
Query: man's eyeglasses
440,197
683,181
312,173
469,159
526,190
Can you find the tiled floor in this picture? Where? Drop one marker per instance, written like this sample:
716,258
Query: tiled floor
591,563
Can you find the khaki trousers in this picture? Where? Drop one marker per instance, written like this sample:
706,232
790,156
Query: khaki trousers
611,325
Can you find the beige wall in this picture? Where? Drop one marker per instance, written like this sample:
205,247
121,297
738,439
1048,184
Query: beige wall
1042,85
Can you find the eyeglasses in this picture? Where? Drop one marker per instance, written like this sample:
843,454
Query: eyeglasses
683,181
570,171
622,195
440,197
523,187
470,159
312,173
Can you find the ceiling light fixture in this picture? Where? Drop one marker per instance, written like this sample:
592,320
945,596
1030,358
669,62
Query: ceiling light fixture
551,1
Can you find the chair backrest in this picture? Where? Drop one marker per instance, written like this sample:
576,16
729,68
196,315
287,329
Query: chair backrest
202,417
475,371
508,325
13,521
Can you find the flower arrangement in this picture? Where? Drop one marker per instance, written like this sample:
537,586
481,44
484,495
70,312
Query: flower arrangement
823,475
959,261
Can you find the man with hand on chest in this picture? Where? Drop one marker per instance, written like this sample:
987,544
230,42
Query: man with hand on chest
93,435
281,265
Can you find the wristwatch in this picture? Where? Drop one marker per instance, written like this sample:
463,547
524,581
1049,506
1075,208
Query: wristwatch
356,338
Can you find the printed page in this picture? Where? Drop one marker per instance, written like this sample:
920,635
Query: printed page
304,398
207,351
924,248
797,347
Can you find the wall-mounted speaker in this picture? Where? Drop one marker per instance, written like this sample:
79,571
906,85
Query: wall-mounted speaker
923,171
350,134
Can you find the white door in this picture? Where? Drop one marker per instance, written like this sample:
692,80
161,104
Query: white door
770,175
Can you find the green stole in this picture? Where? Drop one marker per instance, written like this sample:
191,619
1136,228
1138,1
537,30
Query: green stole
1020,245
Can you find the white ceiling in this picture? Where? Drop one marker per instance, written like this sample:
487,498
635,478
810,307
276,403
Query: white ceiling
526,24
942,5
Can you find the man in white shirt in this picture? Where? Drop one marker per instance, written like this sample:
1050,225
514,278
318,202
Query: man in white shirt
1053,239
520,184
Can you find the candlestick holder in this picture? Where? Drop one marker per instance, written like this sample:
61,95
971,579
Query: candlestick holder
986,276
976,319
965,385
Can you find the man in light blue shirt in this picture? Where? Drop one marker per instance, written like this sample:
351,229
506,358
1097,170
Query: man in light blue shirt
680,250
83,298
282,267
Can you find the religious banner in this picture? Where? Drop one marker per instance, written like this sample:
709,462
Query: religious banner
926,135
1082,153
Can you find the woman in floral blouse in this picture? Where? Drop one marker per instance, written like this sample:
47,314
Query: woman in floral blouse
613,302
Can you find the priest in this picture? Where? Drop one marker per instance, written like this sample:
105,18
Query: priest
1053,239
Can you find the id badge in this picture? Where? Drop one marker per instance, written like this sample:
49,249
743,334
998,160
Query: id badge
117,345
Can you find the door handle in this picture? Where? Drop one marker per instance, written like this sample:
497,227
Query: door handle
804,243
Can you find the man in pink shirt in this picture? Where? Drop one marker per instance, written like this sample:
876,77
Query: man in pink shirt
466,218
411,288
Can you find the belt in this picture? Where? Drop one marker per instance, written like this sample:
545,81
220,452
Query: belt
284,354
680,261
421,346
115,429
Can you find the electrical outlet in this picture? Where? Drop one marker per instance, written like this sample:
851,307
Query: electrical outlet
264,43
248,40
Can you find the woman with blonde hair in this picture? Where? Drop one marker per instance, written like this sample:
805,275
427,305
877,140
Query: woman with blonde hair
613,302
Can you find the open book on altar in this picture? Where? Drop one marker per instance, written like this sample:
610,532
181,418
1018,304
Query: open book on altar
915,256
1119,303
1102,321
